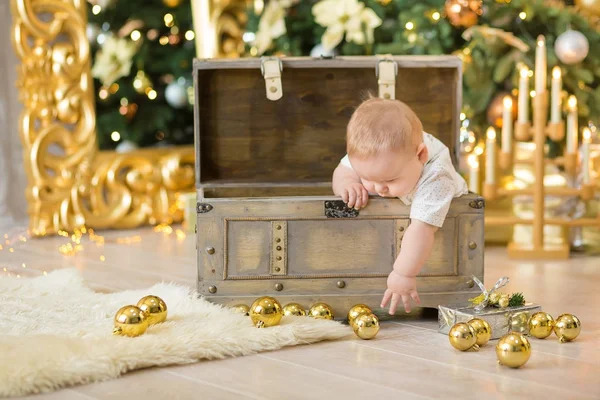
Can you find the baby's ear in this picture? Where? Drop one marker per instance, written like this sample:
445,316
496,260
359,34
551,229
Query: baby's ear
422,153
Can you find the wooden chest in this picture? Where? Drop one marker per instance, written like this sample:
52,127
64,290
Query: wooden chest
269,135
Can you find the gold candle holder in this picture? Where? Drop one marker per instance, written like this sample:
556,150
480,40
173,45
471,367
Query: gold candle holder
522,131
490,191
571,163
587,191
556,131
505,160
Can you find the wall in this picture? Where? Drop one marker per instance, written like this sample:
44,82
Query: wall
12,174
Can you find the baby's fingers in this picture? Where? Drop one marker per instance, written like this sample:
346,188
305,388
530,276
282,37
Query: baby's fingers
406,301
415,297
394,304
386,298
351,198
345,195
365,196
359,201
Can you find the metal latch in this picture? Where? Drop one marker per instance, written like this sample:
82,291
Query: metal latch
386,71
271,68
339,209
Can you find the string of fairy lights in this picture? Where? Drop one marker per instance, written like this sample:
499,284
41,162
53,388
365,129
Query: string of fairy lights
141,82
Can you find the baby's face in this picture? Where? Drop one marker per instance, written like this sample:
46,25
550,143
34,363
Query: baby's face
390,173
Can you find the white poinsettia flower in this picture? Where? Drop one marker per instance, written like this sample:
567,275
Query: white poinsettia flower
114,60
271,24
349,17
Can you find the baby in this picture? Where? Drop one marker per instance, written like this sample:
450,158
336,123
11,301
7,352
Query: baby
390,155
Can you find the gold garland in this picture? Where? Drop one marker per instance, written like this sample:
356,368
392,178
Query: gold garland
71,184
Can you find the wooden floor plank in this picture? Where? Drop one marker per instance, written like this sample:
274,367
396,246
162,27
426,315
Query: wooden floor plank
408,359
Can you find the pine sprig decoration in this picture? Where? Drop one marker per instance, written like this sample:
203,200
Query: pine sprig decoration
516,300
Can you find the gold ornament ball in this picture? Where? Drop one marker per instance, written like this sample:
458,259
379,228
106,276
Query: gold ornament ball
518,322
130,321
141,82
154,308
172,3
366,326
357,310
589,6
567,327
541,325
463,13
462,337
503,302
483,330
320,311
265,312
494,298
513,350
294,309
241,309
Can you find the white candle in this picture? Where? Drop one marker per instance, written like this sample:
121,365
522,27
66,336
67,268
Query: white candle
490,156
540,65
523,96
585,154
473,173
555,116
572,125
507,120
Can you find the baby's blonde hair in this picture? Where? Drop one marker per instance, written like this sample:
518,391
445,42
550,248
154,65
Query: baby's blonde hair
382,124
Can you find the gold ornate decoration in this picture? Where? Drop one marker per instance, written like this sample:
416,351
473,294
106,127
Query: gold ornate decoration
219,24
71,183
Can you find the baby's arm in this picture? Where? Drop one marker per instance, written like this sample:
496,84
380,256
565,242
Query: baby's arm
416,248
346,183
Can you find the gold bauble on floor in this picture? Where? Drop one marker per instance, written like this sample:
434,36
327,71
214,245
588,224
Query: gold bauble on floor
567,327
366,326
462,337
355,311
513,350
294,309
518,322
241,309
130,321
483,330
541,325
154,308
265,312
320,311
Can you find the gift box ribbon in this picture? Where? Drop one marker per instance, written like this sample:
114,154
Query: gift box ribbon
500,283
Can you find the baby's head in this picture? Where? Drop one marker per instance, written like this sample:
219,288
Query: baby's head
385,146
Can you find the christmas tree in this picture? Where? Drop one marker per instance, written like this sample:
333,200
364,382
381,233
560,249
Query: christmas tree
494,38
142,53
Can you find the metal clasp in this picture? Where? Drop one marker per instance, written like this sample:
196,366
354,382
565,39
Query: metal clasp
271,68
263,60
389,61
386,77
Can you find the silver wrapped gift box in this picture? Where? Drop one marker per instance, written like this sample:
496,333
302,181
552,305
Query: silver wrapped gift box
502,320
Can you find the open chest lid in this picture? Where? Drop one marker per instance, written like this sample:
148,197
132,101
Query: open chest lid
282,121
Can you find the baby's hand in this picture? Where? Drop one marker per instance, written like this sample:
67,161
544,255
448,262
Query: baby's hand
400,287
355,195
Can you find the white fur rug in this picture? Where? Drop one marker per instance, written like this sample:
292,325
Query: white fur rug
56,332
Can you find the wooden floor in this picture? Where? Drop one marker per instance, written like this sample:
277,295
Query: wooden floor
407,360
